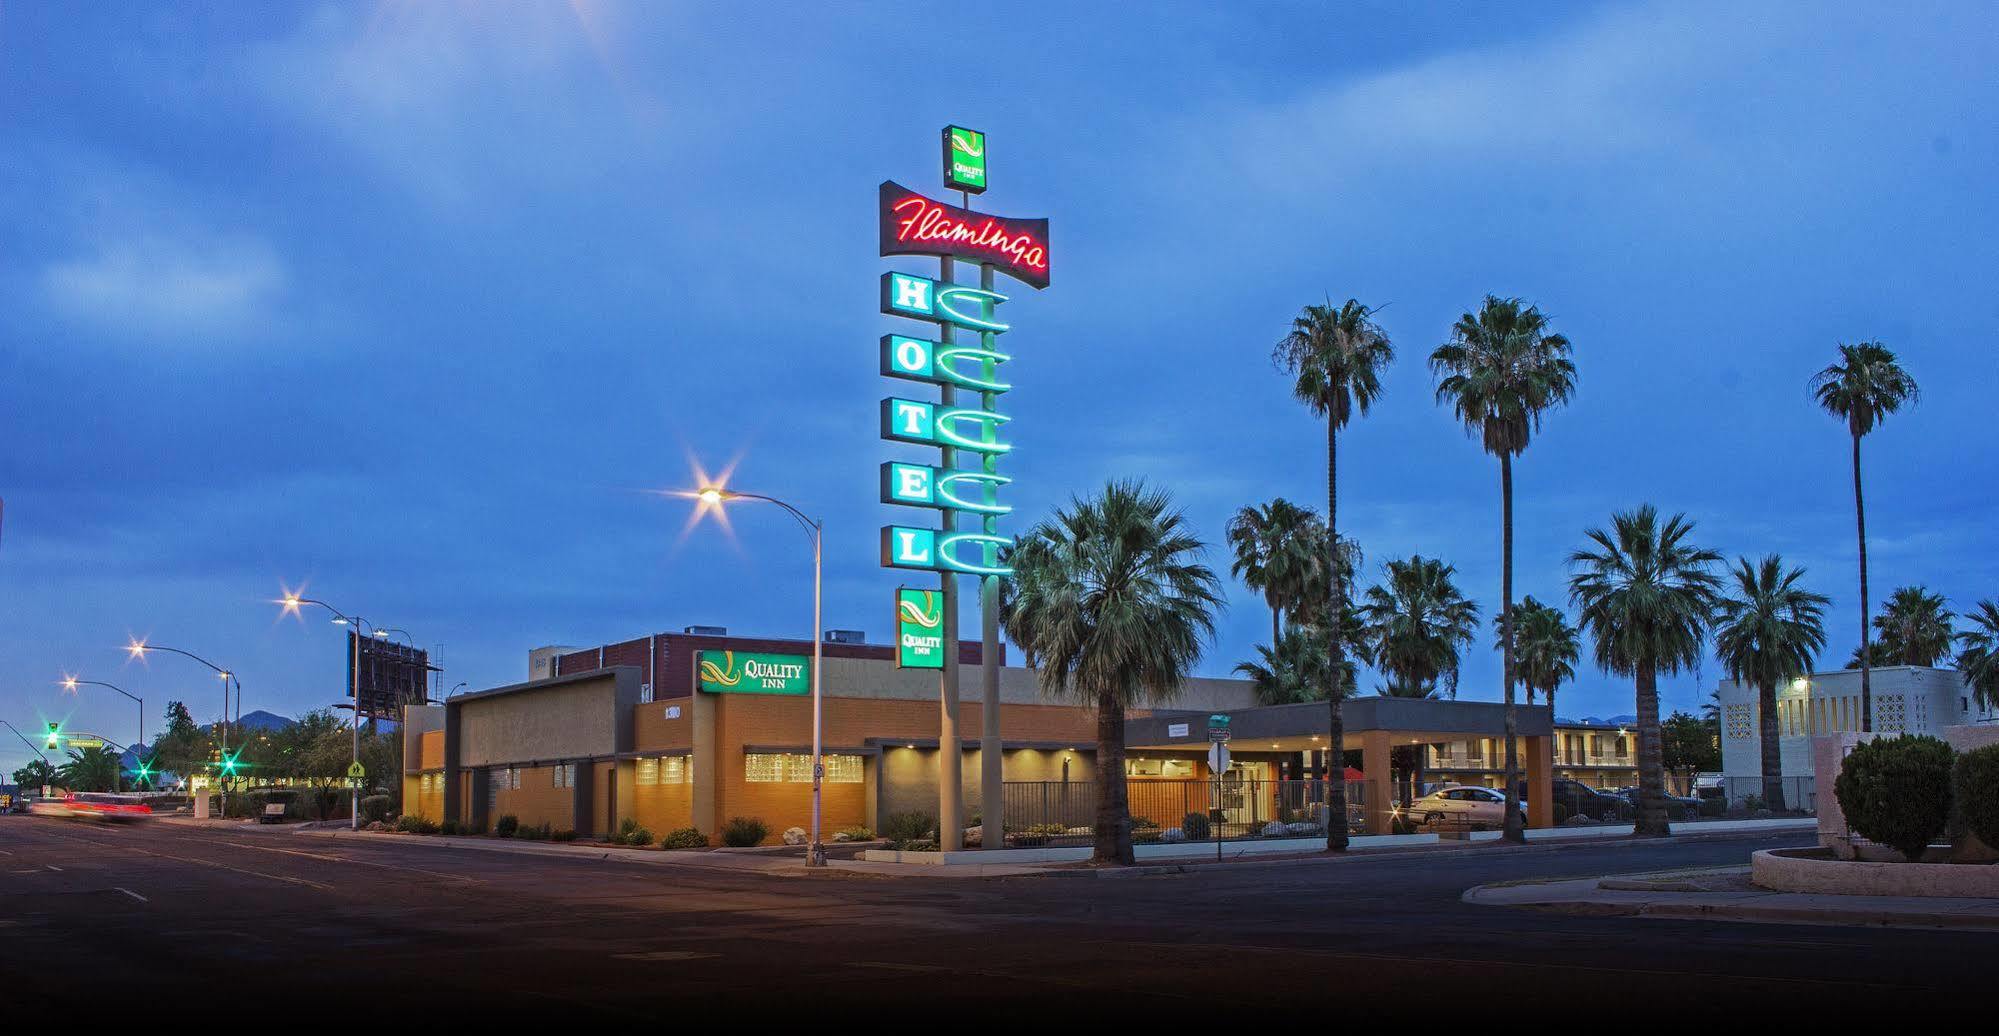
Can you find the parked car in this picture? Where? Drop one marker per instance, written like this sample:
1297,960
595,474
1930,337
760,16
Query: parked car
1574,798
1678,807
1462,804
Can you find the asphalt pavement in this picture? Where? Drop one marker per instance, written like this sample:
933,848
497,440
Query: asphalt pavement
244,920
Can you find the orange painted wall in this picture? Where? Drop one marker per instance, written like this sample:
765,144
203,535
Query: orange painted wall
661,807
537,800
417,801
430,750
652,731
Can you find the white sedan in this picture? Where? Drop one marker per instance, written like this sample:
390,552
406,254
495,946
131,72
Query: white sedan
1464,804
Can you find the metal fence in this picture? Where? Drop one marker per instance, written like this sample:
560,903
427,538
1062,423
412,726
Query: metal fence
1748,794
1042,813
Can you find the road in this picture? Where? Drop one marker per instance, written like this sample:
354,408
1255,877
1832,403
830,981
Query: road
243,918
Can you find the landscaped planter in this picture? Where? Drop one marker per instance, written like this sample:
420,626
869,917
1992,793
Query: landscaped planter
1818,871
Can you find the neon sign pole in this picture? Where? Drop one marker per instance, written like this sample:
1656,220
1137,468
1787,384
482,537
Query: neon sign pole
911,224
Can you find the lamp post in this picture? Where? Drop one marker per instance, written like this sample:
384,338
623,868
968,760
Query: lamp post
138,649
357,624
32,747
71,683
815,856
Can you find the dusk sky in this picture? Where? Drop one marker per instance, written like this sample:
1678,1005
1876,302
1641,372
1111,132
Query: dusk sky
407,305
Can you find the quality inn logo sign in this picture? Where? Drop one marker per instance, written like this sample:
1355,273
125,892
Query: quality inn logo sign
726,672
919,629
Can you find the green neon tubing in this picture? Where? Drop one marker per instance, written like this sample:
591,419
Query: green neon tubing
941,489
945,294
941,426
947,554
942,359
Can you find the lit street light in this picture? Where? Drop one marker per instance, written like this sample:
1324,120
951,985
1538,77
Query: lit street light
71,683
359,625
715,496
138,649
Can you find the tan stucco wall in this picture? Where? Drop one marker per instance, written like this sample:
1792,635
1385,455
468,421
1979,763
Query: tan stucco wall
566,722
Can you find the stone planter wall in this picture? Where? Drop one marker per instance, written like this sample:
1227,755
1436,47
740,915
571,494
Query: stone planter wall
1815,871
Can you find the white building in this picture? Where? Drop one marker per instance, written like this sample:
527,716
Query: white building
1907,700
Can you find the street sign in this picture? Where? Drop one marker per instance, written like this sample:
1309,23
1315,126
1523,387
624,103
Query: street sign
1218,758
965,160
86,742
1218,728
357,775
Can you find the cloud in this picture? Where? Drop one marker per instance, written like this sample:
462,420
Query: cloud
160,286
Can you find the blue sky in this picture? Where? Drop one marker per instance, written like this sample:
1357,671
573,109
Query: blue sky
408,304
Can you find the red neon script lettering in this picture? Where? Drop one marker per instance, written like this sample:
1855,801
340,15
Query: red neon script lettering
924,221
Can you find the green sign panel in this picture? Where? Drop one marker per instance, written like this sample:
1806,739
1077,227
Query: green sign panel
907,295
920,485
919,629
918,359
743,672
971,553
964,160
930,424
357,775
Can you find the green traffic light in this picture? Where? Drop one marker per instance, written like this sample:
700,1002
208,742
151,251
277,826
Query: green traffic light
55,734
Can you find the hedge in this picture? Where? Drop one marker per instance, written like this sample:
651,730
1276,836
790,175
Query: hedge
1896,791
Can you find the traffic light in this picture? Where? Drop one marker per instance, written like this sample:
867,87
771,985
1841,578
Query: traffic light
145,771
55,733
229,764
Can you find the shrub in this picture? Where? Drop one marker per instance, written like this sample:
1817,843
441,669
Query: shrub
907,827
1896,791
374,807
1195,825
1714,807
854,834
449,827
1975,786
744,831
412,824
685,838
507,826
630,832
564,835
537,833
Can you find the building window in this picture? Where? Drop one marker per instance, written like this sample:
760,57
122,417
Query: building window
648,772
763,768
565,775
508,777
645,694
1181,768
670,769
840,769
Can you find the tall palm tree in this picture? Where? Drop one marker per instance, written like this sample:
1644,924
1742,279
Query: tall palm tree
90,769
1645,595
1271,553
1545,648
1978,660
1501,370
1768,634
1914,627
1113,601
1416,621
1298,670
1336,356
1874,656
1862,389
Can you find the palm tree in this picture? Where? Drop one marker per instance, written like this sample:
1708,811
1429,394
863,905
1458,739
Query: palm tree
1769,633
1298,670
1269,553
1979,658
1914,627
1336,355
1862,389
1415,622
1545,648
1645,596
1501,370
1874,656
90,769
1113,601
36,774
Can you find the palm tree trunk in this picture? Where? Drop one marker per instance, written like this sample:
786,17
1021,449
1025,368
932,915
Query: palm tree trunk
1866,663
1336,726
1276,627
1113,833
1652,821
1773,761
1513,830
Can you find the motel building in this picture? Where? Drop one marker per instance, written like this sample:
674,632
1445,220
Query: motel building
692,729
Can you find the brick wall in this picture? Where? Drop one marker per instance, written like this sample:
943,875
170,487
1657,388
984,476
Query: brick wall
536,801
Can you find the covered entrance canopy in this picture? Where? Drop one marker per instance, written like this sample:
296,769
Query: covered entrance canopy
1374,727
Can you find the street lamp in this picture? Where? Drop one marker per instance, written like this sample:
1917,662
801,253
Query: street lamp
71,683
291,604
138,649
716,496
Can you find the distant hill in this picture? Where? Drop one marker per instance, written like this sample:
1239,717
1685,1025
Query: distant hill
1612,721
261,720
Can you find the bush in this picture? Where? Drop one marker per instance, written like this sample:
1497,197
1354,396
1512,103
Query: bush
1714,806
854,834
685,838
1195,825
374,807
1896,791
744,831
538,833
1975,787
907,827
412,824
564,835
507,826
630,832
449,827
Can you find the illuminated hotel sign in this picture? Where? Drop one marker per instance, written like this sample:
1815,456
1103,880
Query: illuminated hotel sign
963,427
741,672
912,224
964,160
919,629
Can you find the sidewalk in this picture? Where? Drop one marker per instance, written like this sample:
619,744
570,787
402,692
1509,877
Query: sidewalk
794,867
1725,894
